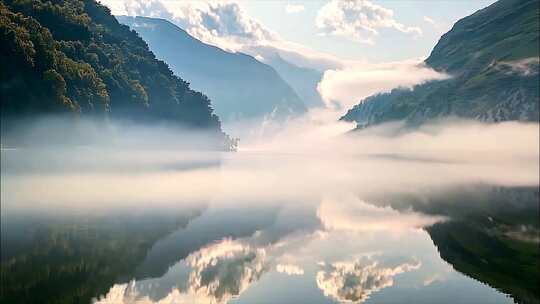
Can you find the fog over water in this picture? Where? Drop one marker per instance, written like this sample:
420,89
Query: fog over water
121,183
306,161
303,205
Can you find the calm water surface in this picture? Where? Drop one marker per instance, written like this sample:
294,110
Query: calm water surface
89,226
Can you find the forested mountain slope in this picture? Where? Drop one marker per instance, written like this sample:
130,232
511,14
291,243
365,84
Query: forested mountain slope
492,57
74,57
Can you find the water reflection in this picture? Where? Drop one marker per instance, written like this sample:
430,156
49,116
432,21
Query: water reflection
354,281
357,215
202,231
54,259
335,263
492,235
336,240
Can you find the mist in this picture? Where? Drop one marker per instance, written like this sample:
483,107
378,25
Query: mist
347,86
309,160
181,151
65,131
61,163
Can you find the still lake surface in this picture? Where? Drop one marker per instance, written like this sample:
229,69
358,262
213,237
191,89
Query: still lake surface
92,226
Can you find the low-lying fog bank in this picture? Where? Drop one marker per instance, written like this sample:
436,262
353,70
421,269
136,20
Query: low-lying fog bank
306,161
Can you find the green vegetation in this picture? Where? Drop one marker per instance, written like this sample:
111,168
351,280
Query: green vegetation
504,31
491,235
504,263
72,260
74,57
493,59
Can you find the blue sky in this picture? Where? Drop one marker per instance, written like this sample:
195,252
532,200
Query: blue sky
405,29
389,45
361,47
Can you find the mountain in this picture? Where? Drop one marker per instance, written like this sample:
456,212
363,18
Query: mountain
303,80
493,59
239,85
73,57
490,233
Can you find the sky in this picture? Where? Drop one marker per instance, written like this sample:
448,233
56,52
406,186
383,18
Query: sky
361,47
433,18
359,30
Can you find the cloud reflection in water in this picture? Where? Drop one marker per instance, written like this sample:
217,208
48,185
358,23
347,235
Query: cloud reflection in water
353,282
224,270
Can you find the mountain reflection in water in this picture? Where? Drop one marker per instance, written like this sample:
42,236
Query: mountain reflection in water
261,229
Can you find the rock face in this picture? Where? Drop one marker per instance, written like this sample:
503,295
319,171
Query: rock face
492,57
238,85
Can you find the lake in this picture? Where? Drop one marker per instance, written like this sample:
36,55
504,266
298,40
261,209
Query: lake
88,225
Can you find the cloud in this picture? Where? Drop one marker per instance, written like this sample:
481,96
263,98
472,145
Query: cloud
224,20
293,8
350,85
361,217
149,8
353,282
433,278
523,67
358,20
294,53
228,26
218,273
429,20
289,269
65,180
225,24
224,270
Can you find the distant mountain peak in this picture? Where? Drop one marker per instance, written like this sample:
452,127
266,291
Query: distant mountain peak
239,85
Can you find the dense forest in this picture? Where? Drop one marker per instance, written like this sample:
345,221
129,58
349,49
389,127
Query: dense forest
74,57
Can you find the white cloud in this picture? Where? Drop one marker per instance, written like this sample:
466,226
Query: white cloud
429,20
524,67
149,8
224,270
470,153
359,20
434,278
350,85
353,282
293,8
223,23
259,57
361,217
217,273
228,26
289,269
